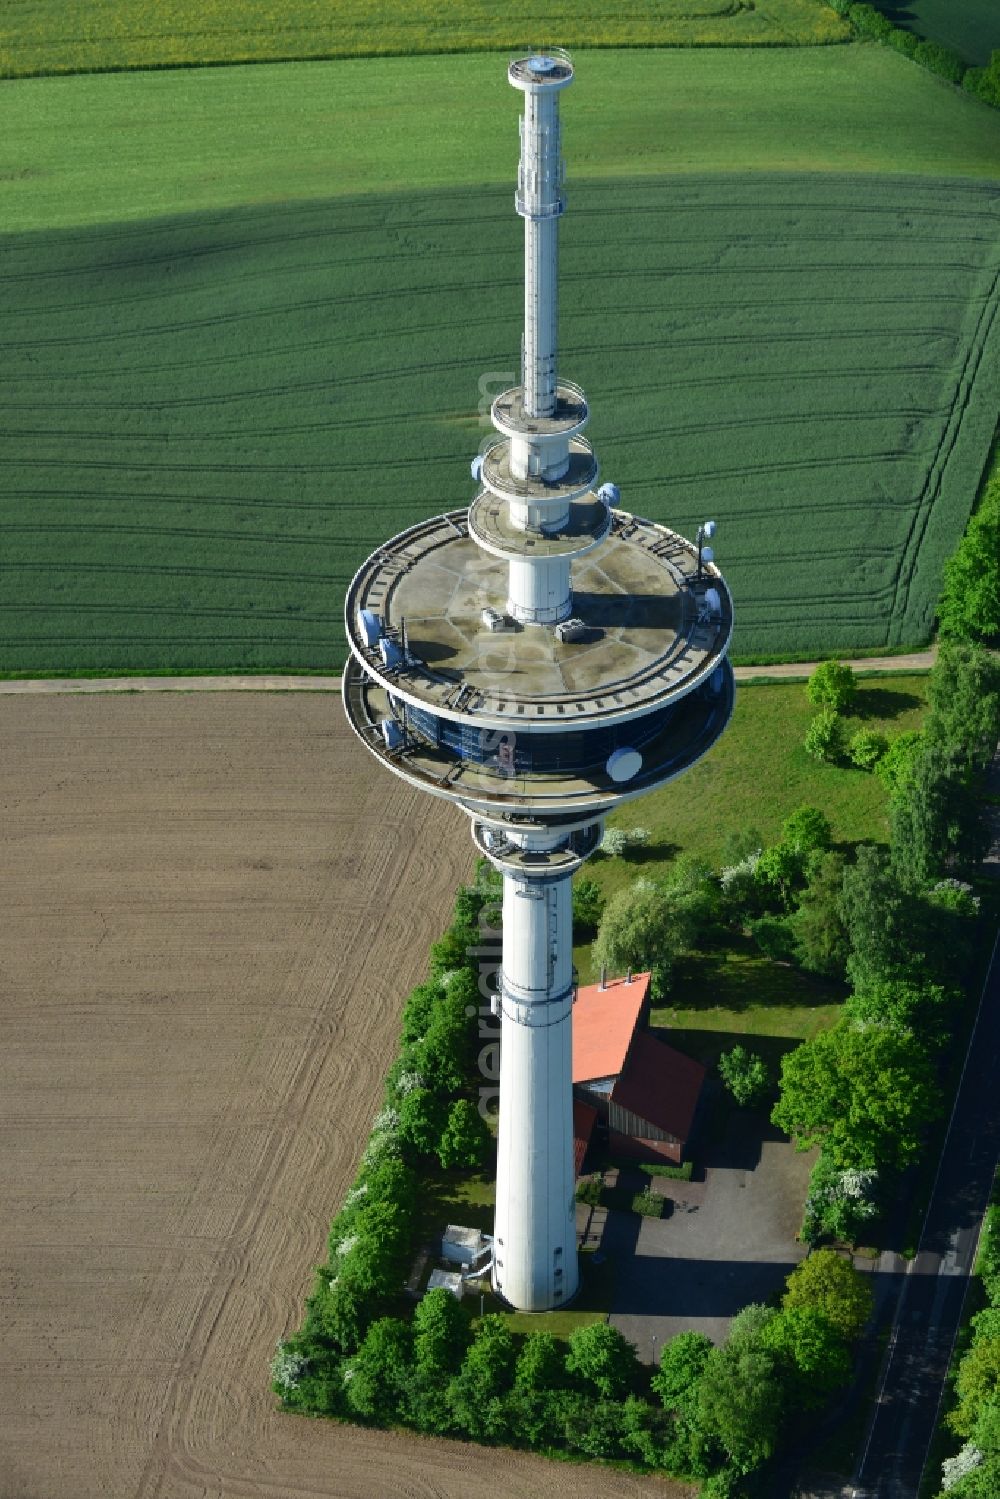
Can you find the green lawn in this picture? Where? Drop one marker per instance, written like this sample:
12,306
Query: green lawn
735,991
469,1198
78,36
758,773
969,27
754,777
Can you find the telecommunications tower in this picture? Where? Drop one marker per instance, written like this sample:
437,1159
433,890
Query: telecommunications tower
538,658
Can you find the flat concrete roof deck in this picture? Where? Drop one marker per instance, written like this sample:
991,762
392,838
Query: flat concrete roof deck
484,786
650,638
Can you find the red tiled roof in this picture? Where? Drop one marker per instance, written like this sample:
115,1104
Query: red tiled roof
661,1085
604,1022
583,1126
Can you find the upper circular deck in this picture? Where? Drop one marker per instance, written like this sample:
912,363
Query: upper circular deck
651,633
580,476
570,415
551,69
586,526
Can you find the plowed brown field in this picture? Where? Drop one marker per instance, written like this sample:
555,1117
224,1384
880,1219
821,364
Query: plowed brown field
211,908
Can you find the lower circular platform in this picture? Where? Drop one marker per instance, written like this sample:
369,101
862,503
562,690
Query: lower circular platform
494,773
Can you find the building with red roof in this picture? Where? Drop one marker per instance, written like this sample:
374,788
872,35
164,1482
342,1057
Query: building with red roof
644,1093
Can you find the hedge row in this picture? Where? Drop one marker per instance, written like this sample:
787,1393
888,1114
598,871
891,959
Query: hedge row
984,83
429,1116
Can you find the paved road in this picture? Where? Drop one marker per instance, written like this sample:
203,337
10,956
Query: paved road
933,1291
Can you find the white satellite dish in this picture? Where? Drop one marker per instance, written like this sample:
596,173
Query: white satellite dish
712,600
709,529
707,554
477,467
623,764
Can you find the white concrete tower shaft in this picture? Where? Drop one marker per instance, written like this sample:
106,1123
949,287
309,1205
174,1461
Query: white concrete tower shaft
535,1259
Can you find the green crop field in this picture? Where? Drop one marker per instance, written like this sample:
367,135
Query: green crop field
969,27
83,36
212,416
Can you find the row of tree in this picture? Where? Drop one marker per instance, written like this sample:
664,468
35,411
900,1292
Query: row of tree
710,1413
974,1471
429,1117
899,922
868,21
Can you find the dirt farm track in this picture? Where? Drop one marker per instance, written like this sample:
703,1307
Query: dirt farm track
212,906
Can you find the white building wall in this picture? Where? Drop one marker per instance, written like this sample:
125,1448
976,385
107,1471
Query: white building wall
535,1265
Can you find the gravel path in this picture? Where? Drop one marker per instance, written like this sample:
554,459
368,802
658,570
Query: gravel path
918,661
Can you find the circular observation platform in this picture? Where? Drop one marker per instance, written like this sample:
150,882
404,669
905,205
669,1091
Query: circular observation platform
652,631
549,69
570,415
492,774
589,524
580,475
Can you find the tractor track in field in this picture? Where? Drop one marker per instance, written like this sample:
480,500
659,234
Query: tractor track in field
213,907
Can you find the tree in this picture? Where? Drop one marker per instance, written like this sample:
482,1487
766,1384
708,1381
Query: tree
465,1140
903,1005
865,1096
440,1339
749,1323
445,1055
599,1355
826,737
977,1383
964,696
840,1200
832,685
422,1116
812,1350
940,60
817,928
775,938
880,917
419,1009
934,821
681,1363
745,1075
866,748
893,768
440,1333
806,830
781,866
739,1403
379,1374
830,1284
646,1431
638,931
476,1392
541,1364
596,1427
588,905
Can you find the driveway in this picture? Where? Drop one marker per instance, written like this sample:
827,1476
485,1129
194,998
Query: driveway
728,1239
